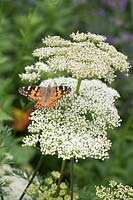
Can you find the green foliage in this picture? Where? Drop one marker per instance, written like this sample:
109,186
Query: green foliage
11,150
2,192
6,100
21,155
4,134
12,182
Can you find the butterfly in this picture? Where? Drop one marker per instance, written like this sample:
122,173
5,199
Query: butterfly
44,96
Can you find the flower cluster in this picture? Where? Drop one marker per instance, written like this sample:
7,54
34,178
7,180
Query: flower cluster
85,56
48,189
77,125
34,72
115,191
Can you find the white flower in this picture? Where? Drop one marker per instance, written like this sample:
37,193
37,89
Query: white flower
114,191
87,56
87,36
77,125
33,72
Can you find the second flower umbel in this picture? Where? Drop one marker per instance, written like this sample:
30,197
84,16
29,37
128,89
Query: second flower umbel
77,125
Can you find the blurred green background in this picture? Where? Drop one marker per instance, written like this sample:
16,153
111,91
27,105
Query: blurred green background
23,24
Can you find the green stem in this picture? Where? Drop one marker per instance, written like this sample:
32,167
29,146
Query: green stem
71,177
2,198
61,175
78,86
33,176
72,159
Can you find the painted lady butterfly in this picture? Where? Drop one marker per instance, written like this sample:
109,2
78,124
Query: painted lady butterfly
44,96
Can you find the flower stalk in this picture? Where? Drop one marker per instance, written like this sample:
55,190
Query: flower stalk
72,159
33,176
61,175
71,177
78,86
2,198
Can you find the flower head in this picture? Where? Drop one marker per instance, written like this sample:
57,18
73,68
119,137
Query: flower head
77,125
84,56
114,191
33,72
48,189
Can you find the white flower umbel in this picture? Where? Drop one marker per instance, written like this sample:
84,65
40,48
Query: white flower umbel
77,125
115,191
84,56
33,72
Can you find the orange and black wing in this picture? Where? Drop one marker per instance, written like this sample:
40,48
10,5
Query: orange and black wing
42,94
32,92
56,94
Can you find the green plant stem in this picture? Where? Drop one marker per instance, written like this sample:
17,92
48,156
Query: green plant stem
33,176
61,175
72,159
78,86
71,177
2,198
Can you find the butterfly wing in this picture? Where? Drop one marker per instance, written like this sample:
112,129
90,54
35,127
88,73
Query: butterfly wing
45,96
32,92
56,94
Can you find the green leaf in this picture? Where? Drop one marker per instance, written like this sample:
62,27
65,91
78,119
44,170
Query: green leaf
5,116
21,154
